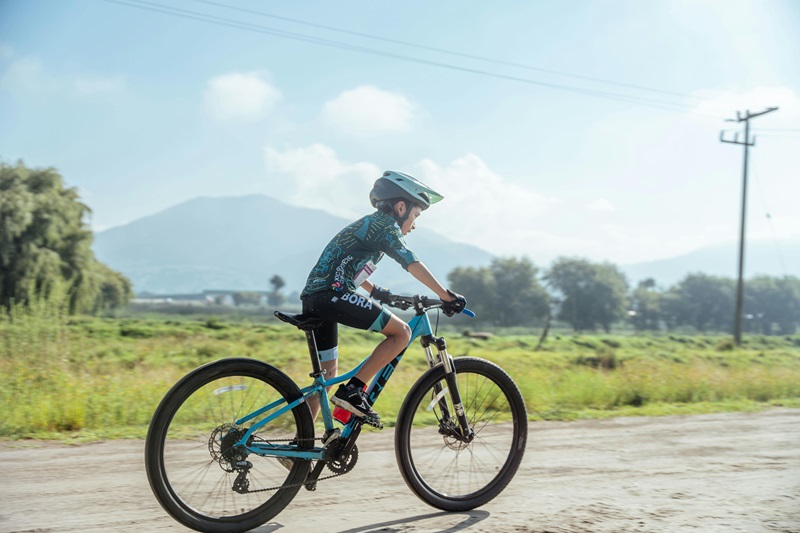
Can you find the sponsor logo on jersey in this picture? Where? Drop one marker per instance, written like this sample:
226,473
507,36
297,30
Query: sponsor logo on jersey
339,277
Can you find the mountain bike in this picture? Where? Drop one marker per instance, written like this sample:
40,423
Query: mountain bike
232,442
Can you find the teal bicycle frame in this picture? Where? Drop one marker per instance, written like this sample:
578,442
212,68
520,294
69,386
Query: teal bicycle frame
420,327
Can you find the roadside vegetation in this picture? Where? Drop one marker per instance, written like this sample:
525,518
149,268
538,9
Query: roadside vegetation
77,377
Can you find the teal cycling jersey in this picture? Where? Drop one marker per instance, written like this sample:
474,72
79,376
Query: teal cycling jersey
352,254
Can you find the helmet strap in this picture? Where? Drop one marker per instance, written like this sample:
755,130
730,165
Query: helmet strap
401,219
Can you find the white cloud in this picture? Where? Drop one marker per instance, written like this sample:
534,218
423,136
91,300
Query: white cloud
484,208
321,180
369,110
237,96
601,204
480,206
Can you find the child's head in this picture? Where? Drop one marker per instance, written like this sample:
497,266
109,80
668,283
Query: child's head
403,197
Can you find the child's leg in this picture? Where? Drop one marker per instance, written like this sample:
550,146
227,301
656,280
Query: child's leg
398,334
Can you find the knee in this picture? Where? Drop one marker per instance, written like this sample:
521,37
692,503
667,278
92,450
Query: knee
404,335
397,331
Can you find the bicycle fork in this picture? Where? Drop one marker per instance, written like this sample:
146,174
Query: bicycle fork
462,432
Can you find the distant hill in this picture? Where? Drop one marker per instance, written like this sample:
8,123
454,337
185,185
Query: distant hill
772,258
239,243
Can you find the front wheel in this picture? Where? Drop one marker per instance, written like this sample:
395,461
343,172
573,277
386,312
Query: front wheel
196,469
444,469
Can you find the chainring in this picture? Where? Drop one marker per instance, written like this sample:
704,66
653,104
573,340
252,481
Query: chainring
345,463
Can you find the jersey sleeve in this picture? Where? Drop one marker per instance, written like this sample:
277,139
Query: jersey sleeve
393,245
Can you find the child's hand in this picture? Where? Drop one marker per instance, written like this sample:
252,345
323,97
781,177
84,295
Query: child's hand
382,295
454,306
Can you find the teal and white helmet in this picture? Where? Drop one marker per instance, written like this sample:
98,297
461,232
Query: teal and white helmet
393,186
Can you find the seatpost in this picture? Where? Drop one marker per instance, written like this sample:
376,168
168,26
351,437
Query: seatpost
312,350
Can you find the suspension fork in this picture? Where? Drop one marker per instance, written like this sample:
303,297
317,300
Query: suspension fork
446,360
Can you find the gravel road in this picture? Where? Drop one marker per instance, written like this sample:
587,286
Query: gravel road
703,473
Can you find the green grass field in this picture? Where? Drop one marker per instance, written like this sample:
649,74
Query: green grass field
83,378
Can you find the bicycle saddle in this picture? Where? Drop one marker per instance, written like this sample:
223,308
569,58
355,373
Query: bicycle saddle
306,322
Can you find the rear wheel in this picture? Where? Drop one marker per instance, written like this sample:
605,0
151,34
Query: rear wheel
443,468
195,469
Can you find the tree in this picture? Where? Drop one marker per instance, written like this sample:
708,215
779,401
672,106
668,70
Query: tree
701,301
44,243
646,306
507,293
591,294
277,283
519,297
772,302
275,298
479,286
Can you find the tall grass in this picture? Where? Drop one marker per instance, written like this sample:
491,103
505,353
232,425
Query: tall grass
103,377
47,386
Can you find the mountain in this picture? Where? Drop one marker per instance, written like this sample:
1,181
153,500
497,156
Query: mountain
239,243
772,258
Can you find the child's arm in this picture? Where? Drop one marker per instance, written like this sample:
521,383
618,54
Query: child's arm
421,272
368,286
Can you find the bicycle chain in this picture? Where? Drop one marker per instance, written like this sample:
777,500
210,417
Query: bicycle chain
291,485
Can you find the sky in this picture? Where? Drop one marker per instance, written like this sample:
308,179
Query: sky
584,128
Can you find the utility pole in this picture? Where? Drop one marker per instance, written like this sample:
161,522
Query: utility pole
747,143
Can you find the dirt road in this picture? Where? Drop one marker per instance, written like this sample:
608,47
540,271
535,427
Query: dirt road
707,473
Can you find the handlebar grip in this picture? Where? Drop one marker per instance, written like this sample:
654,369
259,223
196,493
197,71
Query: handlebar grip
468,313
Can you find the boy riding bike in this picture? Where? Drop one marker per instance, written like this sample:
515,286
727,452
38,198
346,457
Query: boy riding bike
346,263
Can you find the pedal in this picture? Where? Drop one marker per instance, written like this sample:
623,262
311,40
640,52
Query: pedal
373,422
330,436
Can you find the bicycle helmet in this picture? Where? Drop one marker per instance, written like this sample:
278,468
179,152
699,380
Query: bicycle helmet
393,186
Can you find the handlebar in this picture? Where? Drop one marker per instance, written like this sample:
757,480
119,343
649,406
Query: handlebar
420,304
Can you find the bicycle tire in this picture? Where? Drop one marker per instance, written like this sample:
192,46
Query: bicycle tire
189,463
449,474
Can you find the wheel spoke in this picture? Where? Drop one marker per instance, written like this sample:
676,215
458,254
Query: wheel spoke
192,457
443,469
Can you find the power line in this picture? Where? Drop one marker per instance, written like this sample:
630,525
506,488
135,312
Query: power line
449,52
193,15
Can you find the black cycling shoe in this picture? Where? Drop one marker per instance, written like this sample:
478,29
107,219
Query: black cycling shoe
354,399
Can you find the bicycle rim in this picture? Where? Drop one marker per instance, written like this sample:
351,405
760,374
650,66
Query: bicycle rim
192,460
441,469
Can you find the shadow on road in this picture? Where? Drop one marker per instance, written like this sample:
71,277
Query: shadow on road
445,523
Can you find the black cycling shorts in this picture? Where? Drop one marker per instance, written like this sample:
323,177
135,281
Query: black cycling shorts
346,308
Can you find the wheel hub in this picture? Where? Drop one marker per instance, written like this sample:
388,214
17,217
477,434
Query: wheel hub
223,449
452,437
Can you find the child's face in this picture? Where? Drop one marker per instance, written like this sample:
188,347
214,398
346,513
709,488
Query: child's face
409,224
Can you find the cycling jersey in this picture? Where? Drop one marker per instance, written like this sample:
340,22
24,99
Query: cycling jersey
350,257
